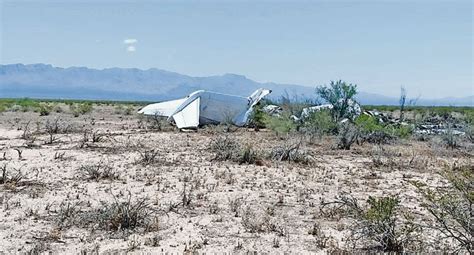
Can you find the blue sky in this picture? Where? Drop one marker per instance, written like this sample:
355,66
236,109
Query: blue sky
425,46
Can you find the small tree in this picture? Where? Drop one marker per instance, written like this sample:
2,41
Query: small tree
340,95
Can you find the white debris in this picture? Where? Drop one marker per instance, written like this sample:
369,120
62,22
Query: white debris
272,109
307,111
353,110
205,107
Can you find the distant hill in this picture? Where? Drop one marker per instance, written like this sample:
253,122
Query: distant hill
46,81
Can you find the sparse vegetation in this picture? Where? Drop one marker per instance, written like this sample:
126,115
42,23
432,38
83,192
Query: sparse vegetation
380,223
98,172
318,124
125,185
452,207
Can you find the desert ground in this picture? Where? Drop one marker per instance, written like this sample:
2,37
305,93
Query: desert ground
113,182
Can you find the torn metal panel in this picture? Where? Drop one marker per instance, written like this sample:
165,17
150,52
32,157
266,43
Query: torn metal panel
162,109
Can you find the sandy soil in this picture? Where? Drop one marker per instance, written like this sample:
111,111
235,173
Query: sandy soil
194,203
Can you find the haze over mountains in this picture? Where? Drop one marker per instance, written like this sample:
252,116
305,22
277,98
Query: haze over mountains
46,81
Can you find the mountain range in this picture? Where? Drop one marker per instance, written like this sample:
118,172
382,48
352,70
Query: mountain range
46,81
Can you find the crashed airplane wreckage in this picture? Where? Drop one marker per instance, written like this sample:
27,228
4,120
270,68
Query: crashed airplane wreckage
206,107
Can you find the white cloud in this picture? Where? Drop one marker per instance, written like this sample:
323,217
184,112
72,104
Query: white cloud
130,41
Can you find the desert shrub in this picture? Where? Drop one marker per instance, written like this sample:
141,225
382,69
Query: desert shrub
99,171
318,123
118,109
321,238
53,127
380,223
15,108
452,207
403,131
155,122
80,109
248,155
255,221
235,205
68,213
225,148
25,104
281,125
12,179
340,95
257,117
147,156
290,152
469,117
74,110
57,108
368,124
122,215
129,110
121,109
449,138
347,135
469,130
85,108
371,130
44,109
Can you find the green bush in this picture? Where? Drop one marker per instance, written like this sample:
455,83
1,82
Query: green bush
319,123
380,224
282,125
82,108
469,117
257,118
44,109
374,132
368,124
403,131
85,108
